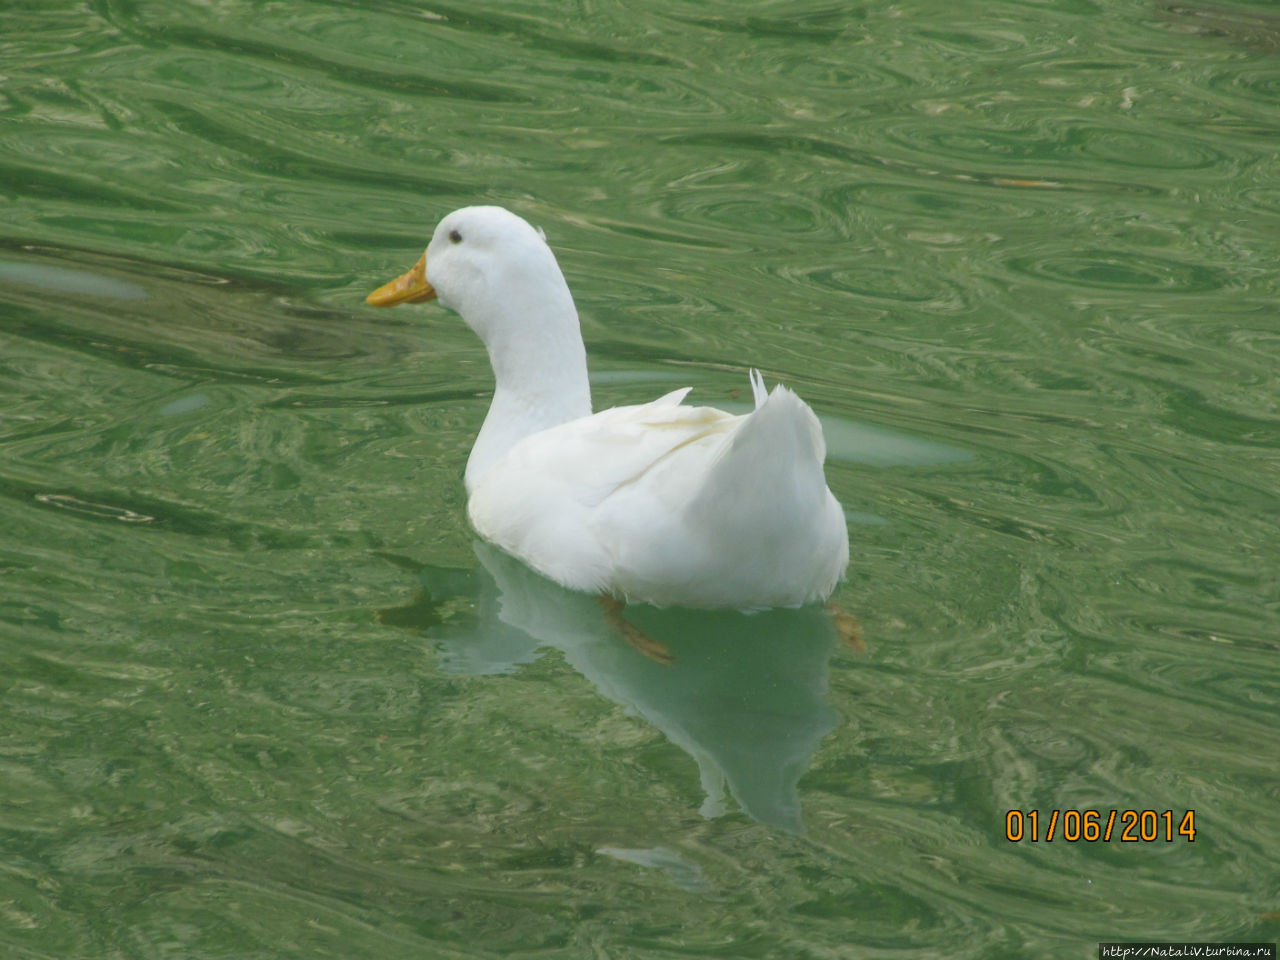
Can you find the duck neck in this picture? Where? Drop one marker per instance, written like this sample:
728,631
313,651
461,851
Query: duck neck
541,382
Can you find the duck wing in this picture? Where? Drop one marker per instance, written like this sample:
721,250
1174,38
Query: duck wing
541,500
674,505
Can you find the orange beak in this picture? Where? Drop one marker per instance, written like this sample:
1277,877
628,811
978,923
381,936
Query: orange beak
411,287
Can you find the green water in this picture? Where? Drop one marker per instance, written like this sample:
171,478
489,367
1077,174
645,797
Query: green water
263,696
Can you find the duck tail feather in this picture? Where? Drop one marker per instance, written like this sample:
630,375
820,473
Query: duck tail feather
775,454
758,390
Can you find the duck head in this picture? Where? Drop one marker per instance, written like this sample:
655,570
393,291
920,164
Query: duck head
492,268
498,273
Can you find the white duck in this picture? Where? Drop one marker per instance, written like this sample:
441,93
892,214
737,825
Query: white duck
658,503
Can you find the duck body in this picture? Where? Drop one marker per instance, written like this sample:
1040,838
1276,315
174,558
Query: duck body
662,503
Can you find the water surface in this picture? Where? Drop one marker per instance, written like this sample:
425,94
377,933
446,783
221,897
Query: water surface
263,694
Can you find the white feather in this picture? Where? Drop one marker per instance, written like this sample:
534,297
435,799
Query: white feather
758,390
663,503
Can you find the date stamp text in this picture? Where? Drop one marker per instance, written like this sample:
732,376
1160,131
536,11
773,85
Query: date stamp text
1100,826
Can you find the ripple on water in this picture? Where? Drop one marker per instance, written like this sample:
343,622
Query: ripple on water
1125,146
1258,82
884,283
1266,198
1050,143
1120,269
736,212
768,213
928,201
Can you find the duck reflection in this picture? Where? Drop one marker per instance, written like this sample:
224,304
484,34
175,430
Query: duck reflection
740,693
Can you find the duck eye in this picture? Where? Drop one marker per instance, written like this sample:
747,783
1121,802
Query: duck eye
455,236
